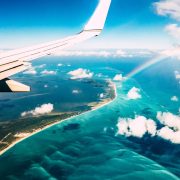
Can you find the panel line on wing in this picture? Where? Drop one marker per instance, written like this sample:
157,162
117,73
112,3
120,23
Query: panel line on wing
12,68
37,48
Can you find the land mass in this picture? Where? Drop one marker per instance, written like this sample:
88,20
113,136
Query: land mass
13,132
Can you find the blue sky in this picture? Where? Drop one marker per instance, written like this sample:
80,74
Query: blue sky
130,24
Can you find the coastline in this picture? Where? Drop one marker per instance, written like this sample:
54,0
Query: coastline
96,107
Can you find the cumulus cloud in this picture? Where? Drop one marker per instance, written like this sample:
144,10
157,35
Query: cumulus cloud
84,53
46,72
173,30
120,52
80,74
169,8
174,98
31,71
75,91
173,52
134,93
41,110
41,66
169,119
177,74
169,134
140,125
137,127
101,95
118,77
59,65
106,53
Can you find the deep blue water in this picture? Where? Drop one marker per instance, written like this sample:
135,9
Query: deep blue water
87,146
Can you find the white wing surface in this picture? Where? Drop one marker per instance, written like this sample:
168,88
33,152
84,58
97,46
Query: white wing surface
15,61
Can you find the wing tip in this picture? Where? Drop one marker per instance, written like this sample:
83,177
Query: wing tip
97,21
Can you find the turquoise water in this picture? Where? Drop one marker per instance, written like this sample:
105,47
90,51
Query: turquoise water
88,147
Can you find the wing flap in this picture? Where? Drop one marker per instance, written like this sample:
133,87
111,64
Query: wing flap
12,71
8,85
10,65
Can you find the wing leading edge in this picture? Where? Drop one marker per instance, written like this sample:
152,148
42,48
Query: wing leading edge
15,61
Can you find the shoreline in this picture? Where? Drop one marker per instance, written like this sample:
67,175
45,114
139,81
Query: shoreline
98,106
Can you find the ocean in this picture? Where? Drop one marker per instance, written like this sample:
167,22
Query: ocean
92,145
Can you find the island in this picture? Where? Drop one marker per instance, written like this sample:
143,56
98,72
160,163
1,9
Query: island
13,132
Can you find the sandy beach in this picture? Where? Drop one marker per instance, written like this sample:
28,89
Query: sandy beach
22,136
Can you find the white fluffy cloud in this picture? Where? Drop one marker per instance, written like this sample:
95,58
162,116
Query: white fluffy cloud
137,127
174,98
177,74
84,53
75,91
173,52
43,109
101,95
169,119
134,93
40,66
30,71
173,30
140,125
106,53
169,134
118,77
46,72
59,65
80,74
169,8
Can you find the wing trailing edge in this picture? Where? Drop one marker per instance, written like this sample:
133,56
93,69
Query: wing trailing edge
8,85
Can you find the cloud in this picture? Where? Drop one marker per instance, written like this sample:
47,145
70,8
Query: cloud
80,74
174,98
120,52
59,65
137,127
83,53
31,71
169,8
177,74
134,93
105,53
43,109
173,52
101,95
40,66
46,72
118,77
75,91
169,119
140,125
169,134
173,30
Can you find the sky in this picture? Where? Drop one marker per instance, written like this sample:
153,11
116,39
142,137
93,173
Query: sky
130,23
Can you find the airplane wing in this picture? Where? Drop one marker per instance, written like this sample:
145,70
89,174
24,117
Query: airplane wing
15,61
